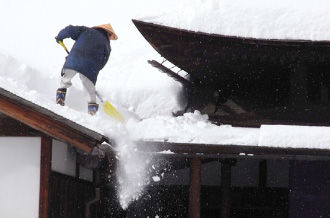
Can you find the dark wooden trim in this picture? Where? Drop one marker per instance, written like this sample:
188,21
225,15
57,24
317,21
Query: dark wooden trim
226,187
12,127
45,168
211,55
195,188
263,173
186,83
77,173
234,39
48,122
299,83
218,150
68,196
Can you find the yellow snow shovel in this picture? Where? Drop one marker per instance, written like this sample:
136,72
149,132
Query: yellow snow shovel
110,110
107,107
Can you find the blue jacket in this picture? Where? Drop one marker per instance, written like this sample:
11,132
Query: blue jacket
90,52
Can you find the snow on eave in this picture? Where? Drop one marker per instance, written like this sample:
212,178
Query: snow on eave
252,19
235,39
230,151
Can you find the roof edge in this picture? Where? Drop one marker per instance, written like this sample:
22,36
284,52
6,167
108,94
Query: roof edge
231,151
49,122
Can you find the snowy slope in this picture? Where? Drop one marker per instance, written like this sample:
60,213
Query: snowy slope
31,61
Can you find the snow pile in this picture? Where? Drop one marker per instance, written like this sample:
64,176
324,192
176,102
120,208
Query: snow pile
266,19
294,136
192,128
195,128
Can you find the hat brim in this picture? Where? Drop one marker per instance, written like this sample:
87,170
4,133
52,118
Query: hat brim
108,28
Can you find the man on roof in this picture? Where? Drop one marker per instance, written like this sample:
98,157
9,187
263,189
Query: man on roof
88,56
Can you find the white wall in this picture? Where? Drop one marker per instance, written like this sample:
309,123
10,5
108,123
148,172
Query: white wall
85,174
64,161
63,158
19,176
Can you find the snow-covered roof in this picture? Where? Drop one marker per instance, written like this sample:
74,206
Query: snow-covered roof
295,19
194,128
186,150
191,128
147,98
48,122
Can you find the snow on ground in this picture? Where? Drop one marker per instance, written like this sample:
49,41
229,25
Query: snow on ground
31,61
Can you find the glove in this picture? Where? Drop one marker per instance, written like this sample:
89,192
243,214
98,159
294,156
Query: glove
58,40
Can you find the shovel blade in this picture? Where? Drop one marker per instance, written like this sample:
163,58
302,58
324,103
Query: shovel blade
112,112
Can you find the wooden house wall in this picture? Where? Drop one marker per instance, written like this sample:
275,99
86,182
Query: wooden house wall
281,188
309,189
251,193
68,196
69,188
29,160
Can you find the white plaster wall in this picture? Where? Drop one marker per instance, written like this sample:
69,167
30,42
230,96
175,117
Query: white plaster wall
63,158
85,174
19,176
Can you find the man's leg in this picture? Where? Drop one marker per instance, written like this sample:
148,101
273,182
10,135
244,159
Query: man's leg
90,94
67,75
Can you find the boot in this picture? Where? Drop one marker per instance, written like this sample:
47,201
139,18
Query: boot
92,108
60,96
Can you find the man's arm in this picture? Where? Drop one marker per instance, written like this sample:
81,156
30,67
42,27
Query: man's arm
72,32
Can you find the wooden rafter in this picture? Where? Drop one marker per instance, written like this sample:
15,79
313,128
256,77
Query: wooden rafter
45,169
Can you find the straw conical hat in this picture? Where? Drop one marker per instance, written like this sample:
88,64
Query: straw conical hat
107,27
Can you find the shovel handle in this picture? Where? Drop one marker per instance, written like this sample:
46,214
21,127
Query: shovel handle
99,96
62,44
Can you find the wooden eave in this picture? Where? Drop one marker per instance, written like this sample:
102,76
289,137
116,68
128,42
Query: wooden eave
48,122
300,49
257,81
216,59
230,151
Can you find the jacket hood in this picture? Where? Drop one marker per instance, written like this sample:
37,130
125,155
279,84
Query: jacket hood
108,28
